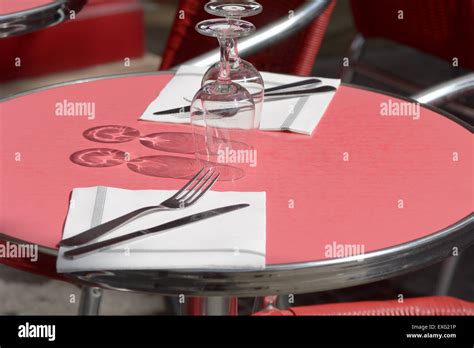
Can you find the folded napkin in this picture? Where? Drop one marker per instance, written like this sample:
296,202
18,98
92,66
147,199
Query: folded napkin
299,115
235,240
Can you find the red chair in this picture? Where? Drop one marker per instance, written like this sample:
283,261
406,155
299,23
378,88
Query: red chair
440,28
437,306
293,55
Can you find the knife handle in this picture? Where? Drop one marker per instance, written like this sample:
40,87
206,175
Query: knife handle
293,85
321,89
185,109
83,251
108,226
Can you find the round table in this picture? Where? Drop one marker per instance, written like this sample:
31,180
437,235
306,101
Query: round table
24,16
400,187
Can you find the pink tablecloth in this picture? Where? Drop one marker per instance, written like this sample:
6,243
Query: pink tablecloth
12,6
361,179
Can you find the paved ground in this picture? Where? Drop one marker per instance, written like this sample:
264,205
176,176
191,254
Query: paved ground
22,293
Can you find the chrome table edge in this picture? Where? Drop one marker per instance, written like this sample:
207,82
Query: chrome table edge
37,18
292,278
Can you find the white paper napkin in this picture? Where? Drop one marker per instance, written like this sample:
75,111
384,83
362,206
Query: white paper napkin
299,115
235,240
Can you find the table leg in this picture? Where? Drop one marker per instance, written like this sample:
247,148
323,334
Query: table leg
212,306
90,301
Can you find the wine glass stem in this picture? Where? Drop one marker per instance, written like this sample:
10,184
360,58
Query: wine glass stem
234,55
226,46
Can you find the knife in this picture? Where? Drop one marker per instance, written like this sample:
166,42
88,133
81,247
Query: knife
82,251
282,95
229,112
307,82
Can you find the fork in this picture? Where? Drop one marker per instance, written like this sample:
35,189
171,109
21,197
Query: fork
182,199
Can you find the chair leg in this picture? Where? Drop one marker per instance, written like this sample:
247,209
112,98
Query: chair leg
90,301
448,270
212,306
267,302
355,52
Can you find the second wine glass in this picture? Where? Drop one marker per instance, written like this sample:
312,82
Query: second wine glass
241,71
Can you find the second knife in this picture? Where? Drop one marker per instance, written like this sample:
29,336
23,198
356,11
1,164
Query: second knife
84,250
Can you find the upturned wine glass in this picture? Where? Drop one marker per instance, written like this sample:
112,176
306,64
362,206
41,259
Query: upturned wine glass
240,70
223,111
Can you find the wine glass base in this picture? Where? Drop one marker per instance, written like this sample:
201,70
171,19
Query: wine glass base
221,27
233,9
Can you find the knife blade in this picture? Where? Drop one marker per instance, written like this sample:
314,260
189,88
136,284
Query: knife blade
87,249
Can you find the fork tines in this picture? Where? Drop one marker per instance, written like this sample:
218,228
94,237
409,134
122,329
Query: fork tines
200,184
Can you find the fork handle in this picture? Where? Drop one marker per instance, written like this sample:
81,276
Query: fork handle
109,226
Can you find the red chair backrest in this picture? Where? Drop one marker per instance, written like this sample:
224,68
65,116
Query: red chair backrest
437,305
440,27
294,55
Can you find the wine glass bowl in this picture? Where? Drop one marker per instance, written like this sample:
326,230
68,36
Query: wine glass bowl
223,122
243,73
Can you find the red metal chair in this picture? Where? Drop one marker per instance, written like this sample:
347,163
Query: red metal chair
438,27
294,55
438,306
